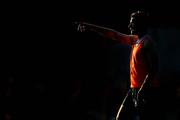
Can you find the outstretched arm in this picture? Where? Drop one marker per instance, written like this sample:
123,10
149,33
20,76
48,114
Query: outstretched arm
108,33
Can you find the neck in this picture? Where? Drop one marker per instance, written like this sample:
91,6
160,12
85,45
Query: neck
141,34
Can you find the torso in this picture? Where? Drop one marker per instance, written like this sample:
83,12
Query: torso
138,66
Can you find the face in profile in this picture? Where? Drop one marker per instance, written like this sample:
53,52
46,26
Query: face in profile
138,22
132,25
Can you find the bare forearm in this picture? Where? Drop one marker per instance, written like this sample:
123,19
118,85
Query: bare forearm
109,33
103,31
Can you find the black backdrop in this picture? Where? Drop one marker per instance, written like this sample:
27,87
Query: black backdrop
49,69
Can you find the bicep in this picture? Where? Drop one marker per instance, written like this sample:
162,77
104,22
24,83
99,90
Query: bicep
126,39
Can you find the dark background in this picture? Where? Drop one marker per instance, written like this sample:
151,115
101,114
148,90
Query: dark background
50,70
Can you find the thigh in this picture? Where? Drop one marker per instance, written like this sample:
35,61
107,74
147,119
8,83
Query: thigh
127,109
151,109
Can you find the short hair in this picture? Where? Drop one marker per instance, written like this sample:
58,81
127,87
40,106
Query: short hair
139,14
141,18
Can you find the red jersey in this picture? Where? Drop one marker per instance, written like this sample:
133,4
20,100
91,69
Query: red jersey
143,60
138,65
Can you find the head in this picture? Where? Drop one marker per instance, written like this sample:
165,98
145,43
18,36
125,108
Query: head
138,23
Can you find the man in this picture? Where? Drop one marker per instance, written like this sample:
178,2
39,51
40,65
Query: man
144,86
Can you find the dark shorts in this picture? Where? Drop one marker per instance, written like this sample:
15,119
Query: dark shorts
148,108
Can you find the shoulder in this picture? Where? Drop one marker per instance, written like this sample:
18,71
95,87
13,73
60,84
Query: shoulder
149,46
149,42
